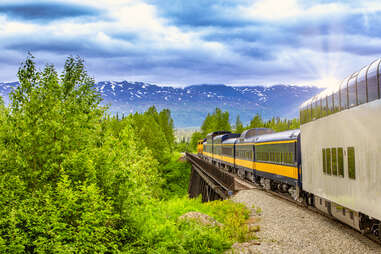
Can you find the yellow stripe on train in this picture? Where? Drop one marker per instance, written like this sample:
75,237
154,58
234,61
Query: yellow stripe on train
245,163
207,154
228,159
276,169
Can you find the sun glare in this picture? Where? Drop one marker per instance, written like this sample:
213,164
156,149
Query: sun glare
328,81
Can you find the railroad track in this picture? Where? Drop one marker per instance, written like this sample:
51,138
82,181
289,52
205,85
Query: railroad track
358,235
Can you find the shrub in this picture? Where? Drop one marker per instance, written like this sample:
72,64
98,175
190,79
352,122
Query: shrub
74,179
163,232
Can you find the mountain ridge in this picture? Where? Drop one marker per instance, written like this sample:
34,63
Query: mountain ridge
189,105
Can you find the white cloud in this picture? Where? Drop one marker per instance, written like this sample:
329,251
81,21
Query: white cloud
155,40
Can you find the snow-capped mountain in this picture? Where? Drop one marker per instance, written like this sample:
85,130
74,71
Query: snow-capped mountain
190,105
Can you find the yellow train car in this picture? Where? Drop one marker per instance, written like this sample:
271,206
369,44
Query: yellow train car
223,153
200,146
273,156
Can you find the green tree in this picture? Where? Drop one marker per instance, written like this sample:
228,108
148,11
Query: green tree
238,125
217,121
256,122
51,119
166,124
196,136
72,177
151,135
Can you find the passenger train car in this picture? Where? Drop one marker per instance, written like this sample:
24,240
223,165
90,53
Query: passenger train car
260,155
332,163
341,149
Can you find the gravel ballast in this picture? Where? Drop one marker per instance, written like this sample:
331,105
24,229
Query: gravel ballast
288,228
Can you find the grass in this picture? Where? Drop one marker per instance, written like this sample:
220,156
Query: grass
163,232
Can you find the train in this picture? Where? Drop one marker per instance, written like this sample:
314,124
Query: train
332,163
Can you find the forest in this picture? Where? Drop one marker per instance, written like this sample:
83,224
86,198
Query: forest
218,121
74,178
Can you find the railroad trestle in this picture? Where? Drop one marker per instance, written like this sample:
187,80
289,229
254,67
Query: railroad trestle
209,181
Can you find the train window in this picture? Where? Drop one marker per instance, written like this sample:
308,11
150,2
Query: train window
351,163
329,105
336,102
343,95
372,82
340,161
324,162
352,97
305,113
334,161
317,109
313,111
361,86
324,106
328,155
301,116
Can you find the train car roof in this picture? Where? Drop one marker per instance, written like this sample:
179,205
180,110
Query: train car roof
248,136
254,132
333,88
225,136
278,136
230,141
216,133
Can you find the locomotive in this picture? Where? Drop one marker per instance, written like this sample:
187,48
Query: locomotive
332,163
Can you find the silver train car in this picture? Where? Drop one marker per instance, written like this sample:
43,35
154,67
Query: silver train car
341,150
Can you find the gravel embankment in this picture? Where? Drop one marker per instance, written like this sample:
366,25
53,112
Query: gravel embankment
288,228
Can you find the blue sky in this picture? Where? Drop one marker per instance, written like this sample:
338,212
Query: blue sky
173,42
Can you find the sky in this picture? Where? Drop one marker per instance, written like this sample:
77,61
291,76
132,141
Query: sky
178,43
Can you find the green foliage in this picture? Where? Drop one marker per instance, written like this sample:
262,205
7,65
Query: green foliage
275,123
74,179
183,146
256,122
152,135
165,233
196,136
176,178
218,120
166,124
238,125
